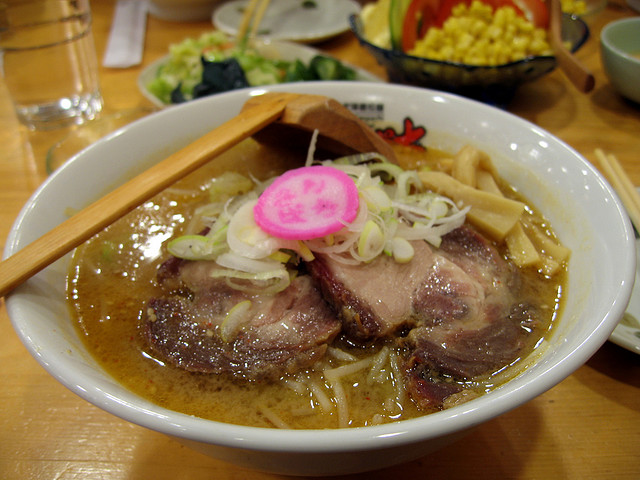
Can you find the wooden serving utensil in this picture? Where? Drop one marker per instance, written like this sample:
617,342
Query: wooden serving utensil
341,132
338,127
577,73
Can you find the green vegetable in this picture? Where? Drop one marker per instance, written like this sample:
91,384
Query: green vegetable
320,68
298,72
217,77
213,64
234,320
327,68
397,12
184,67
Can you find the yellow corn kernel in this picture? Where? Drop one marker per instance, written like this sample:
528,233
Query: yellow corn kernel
476,35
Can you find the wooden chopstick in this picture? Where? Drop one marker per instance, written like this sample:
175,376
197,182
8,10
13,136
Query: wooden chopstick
576,72
257,19
251,18
623,185
87,222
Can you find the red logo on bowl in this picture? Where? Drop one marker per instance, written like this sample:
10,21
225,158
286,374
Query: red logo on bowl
410,136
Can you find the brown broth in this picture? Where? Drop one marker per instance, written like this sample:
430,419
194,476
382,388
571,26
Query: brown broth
113,275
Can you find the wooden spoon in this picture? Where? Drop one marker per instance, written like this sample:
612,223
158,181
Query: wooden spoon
577,73
299,113
341,132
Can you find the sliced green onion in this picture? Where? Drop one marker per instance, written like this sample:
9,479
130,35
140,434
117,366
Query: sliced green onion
234,320
229,184
264,282
219,234
438,209
391,170
402,250
371,241
280,256
195,247
246,238
233,261
404,182
376,198
304,251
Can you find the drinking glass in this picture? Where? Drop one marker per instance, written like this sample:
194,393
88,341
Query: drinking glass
48,62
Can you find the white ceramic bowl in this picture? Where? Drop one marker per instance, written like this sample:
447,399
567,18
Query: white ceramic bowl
586,214
620,53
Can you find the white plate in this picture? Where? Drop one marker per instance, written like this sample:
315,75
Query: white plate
289,20
627,333
268,48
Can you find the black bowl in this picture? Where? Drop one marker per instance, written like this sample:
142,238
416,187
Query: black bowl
491,84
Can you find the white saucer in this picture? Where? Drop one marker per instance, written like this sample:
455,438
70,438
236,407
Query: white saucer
627,333
291,20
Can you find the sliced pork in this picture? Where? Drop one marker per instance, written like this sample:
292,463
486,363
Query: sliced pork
374,300
455,307
454,310
278,334
476,323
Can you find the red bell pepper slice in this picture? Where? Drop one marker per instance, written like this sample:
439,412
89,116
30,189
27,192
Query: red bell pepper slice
421,14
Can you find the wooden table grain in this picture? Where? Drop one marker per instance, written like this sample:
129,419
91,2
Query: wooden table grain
586,427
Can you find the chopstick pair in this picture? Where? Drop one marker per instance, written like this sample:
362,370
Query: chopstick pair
576,72
252,17
623,185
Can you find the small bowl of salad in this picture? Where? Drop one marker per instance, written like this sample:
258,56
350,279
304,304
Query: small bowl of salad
482,49
215,63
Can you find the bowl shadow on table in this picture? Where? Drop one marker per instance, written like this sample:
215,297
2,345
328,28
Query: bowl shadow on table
535,99
489,445
619,365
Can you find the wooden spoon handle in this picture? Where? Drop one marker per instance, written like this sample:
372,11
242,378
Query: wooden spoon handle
83,225
577,73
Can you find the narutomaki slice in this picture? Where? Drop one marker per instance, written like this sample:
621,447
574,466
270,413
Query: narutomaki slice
307,202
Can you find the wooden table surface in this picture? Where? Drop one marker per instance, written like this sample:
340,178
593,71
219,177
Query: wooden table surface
586,427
